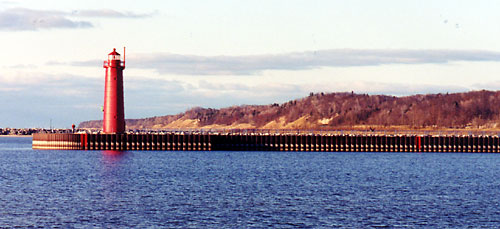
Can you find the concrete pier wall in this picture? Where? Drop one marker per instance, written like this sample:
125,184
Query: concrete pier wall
267,142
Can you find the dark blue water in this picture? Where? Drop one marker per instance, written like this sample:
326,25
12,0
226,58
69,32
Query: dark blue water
245,189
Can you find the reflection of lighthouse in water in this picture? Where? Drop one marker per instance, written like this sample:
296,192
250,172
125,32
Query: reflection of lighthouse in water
114,115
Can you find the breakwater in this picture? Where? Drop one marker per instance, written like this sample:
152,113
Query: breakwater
269,142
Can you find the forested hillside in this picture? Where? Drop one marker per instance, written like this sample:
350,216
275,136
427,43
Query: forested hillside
477,109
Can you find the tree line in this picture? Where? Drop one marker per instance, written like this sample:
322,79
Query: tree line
475,109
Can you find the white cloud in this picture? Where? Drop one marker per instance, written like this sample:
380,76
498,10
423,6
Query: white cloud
166,63
22,19
8,2
254,64
38,83
207,85
27,19
108,13
10,89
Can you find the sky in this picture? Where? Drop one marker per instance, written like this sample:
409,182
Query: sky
221,53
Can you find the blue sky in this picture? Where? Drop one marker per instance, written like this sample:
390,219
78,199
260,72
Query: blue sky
183,54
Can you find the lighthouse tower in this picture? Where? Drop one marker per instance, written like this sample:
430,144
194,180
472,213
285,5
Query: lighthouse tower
114,115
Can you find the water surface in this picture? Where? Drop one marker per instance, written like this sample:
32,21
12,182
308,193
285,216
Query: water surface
245,189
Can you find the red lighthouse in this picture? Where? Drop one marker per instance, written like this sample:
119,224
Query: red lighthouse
114,115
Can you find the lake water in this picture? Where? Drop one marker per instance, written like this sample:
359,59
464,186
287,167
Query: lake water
245,189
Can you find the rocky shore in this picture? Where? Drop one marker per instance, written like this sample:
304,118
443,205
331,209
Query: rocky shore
30,131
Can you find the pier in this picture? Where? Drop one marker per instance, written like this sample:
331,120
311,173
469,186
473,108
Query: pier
240,141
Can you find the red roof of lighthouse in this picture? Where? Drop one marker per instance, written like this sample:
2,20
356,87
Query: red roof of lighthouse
114,52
